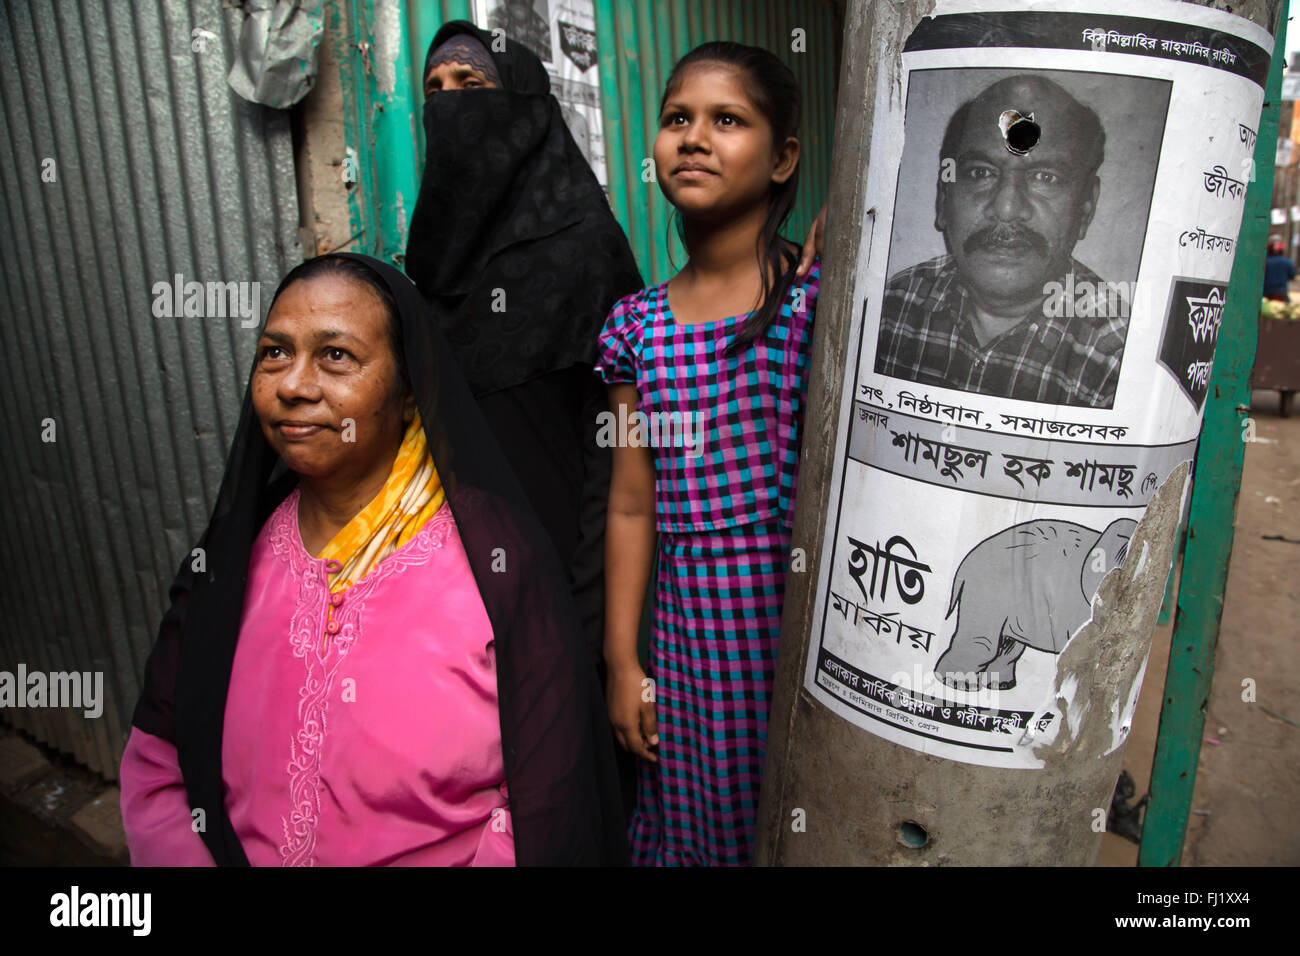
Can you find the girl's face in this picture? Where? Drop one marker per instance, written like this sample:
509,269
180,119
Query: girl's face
325,388
714,155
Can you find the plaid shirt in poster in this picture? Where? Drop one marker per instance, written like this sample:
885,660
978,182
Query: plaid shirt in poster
926,337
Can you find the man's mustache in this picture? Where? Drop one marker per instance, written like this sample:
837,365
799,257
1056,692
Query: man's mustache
1003,236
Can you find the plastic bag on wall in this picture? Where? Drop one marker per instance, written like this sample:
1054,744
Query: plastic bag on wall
275,62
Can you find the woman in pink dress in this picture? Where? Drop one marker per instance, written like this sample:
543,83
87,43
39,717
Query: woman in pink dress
370,658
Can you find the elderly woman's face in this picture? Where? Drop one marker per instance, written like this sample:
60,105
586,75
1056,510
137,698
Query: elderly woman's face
326,386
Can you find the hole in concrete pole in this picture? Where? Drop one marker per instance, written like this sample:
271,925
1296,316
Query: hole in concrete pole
913,834
1019,132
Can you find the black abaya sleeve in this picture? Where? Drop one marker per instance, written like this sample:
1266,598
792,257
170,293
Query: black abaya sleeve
555,735
155,711
547,429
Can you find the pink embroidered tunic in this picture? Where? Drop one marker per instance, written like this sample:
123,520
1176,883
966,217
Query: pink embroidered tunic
360,729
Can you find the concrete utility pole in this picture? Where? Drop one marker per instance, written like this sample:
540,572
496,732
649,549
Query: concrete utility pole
835,794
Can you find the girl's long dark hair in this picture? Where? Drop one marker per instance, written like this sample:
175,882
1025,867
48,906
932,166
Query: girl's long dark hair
775,93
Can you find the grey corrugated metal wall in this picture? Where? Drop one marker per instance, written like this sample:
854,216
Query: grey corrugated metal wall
160,169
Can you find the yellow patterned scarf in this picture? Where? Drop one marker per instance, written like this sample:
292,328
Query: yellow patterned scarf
411,496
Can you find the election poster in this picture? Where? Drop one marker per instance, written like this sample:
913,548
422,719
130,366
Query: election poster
1057,190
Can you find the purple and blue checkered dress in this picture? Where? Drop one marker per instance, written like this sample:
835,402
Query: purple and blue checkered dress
724,513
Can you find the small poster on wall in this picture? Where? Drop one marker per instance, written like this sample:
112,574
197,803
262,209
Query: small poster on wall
563,35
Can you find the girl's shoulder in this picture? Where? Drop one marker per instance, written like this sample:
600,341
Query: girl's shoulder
633,311
621,340
647,301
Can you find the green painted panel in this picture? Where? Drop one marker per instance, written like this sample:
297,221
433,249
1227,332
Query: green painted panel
379,121
1215,485
424,20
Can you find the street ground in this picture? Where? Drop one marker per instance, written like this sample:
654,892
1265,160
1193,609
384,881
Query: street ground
1244,810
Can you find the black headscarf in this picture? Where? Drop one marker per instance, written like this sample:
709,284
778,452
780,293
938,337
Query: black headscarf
564,800
512,241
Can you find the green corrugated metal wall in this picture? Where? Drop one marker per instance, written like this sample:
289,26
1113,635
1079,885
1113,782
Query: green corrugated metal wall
639,42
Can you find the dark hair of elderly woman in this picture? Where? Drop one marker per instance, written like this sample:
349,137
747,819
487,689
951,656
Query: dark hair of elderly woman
372,655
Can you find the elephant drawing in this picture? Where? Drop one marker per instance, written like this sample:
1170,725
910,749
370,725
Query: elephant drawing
1030,585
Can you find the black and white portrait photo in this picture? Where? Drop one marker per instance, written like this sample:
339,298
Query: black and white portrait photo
1022,209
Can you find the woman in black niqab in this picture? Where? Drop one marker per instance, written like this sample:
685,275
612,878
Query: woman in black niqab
564,799
513,245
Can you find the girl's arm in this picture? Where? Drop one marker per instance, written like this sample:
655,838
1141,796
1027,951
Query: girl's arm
629,554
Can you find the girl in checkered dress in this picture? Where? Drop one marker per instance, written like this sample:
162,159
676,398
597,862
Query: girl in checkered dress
716,360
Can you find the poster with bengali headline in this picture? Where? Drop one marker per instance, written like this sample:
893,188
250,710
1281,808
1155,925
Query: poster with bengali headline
563,35
1058,191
